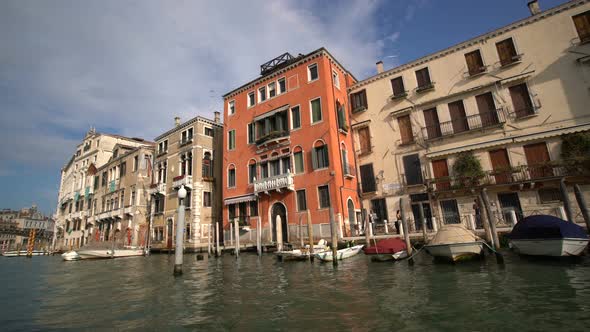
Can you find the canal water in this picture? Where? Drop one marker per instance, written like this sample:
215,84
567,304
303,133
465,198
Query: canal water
260,294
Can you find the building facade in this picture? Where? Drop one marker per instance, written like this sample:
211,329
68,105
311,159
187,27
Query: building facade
288,149
16,226
186,155
95,150
508,101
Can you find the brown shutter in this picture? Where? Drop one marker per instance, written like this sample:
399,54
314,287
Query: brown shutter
474,62
536,156
458,118
423,77
432,123
499,159
365,139
506,51
397,85
521,100
487,109
367,178
440,170
582,23
405,129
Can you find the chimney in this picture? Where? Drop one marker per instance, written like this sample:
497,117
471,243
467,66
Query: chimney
176,121
216,117
534,7
379,67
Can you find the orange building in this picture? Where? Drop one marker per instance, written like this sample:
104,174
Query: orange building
288,148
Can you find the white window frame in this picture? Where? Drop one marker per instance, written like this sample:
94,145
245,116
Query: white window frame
295,163
229,140
279,92
297,200
336,79
319,199
253,133
268,89
311,111
255,171
235,176
265,94
315,64
231,105
204,131
291,117
248,98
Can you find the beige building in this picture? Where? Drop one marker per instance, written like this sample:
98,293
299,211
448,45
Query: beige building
117,206
508,98
95,150
185,156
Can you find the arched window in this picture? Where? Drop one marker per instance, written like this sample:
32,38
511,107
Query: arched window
346,167
231,176
207,165
298,164
319,155
252,171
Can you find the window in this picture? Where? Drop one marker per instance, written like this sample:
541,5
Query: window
397,85
474,63
282,85
582,23
487,110
231,178
209,131
379,210
162,167
96,181
264,170
423,80
163,147
319,157
186,164
316,110
507,52
272,89
231,142
206,198
367,178
550,195
341,116
253,209
413,169
295,118
122,169
231,212
301,201
251,99
521,100
186,136
298,160
135,163
159,234
252,171
364,140
159,203
359,101
250,133
324,197
336,79
207,165
312,72
231,106
133,197
262,94
275,167
405,129
432,123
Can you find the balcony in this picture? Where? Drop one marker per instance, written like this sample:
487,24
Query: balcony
158,188
274,135
426,87
186,141
183,180
128,210
349,170
277,182
464,124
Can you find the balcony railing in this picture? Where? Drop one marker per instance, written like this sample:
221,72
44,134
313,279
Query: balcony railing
183,180
186,140
275,134
277,182
349,170
158,188
464,124
511,175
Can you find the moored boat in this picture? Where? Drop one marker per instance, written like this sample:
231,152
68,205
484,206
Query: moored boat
101,254
544,235
301,254
455,243
341,254
17,253
387,249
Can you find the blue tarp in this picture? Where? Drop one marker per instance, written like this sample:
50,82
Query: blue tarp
546,227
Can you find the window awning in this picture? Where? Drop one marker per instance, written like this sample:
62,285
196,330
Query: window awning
270,113
239,199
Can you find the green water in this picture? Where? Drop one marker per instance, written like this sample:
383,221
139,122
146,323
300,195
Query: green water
259,294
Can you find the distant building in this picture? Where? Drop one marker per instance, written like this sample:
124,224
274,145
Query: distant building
187,155
509,98
288,149
16,225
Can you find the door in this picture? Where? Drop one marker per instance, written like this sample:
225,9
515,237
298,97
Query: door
487,109
450,212
427,216
510,202
351,216
440,170
500,162
278,209
537,157
170,234
458,118
432,123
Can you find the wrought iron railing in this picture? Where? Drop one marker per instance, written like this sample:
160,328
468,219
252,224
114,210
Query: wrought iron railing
464,124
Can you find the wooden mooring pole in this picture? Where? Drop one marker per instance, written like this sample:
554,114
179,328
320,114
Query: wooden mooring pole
567,204
259,236
405,226
334,233
490,217
237,241
423,222
583,206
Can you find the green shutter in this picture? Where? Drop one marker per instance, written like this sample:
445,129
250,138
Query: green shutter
314,159
316,110
298,162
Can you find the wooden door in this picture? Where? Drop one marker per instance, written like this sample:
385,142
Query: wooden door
432,123
365,140
487,109
537,157
500,162
441,170
458,118
405,129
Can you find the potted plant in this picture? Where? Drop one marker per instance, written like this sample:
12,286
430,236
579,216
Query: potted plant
468,169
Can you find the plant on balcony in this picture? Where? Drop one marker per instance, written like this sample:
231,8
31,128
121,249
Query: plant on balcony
468,169
575,152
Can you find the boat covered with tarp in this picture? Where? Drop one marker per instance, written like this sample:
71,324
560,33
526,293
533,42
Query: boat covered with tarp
387,249
545,235
454,242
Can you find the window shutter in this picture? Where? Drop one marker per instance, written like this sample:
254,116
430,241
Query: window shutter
412,169
582,23
405,129
521,100
314,159
367,178
397,85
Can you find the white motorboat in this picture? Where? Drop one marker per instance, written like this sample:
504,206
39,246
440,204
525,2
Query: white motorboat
301,254
454,242
102,254
70,256
341,254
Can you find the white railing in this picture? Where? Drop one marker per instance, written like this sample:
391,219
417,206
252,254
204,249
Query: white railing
159,188
185,180
276,182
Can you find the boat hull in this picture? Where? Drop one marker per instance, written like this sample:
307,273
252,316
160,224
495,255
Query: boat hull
105,254
70,256
455,251
389,257
293,255
341,254
550,247
23,253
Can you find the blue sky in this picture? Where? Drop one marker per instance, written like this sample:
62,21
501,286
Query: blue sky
129,67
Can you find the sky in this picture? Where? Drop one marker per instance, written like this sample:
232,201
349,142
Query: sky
129,67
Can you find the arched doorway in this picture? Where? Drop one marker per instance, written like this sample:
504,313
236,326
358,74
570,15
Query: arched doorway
278,209
351,217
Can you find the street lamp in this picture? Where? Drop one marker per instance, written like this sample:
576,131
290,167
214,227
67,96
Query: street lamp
179,232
